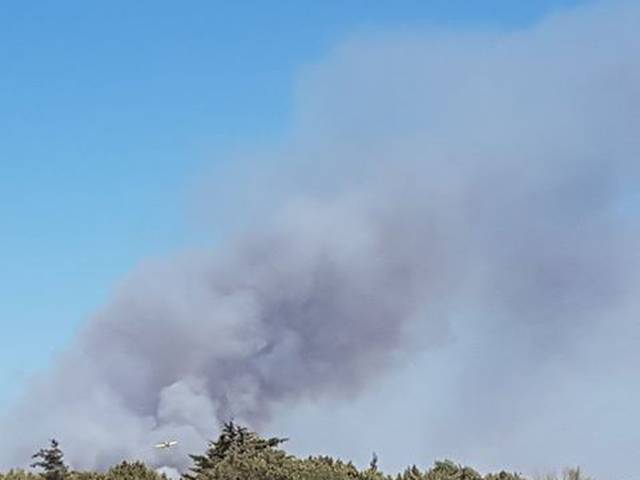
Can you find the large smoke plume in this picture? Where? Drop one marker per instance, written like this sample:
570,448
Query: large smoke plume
488,174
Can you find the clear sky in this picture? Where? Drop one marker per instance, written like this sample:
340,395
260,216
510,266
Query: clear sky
109,110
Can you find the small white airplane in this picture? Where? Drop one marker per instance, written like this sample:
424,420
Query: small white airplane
167,444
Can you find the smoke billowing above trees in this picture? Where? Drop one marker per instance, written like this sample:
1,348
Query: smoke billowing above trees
425,172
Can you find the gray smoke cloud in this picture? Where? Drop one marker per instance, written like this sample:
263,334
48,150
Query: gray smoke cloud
466,201
312,306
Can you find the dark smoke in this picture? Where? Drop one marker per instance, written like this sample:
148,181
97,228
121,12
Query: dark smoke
490,173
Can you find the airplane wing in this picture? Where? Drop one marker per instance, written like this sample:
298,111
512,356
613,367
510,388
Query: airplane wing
168,444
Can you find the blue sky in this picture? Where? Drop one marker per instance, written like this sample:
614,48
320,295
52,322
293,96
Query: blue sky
110,110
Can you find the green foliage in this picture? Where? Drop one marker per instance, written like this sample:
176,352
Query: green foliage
74,475
504,476
240,454
324,468
372,473
237,451
411,473
123,471
448,470
51,462
19,475
133,471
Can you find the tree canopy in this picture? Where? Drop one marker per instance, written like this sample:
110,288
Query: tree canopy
241,454
51,461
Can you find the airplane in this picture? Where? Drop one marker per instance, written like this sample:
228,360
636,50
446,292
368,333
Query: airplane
167,444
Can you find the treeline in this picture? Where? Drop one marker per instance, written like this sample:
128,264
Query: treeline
239,454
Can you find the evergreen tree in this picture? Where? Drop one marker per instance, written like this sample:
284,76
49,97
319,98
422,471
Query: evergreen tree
448,470
234,440
373,464
51,462
133,471
411,473
240,454
372,473
502,475
19,475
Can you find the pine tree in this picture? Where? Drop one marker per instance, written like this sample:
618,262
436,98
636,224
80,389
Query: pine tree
448,470
372,473
411,473
373,464
233,440
51,461
136,470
